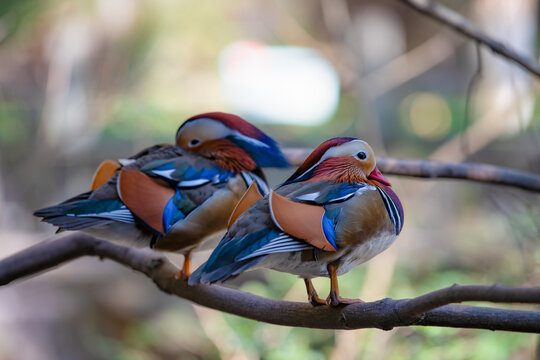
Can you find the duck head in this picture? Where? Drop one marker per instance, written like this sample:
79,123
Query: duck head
341,159
231,141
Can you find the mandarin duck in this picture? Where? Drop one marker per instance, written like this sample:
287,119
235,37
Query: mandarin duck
174,197
335,212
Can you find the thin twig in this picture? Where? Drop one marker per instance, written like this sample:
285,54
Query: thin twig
468,99
457,22
383,314
437,169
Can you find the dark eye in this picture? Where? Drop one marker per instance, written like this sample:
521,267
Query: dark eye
361,155
194,142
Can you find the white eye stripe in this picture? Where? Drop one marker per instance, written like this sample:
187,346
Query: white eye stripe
202,129
350,148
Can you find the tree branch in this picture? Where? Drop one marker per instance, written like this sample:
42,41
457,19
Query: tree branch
454,20
432,169
427,310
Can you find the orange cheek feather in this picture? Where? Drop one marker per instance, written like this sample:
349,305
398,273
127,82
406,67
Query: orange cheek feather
341,169
226,154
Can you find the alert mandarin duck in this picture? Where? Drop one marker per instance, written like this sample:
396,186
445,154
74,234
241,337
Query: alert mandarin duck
174,197
335,212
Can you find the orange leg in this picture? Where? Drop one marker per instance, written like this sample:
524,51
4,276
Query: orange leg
333,298
185,272
313,298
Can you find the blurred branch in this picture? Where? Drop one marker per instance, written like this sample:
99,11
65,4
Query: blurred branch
409,65
457,22
427,310
437,169
473,83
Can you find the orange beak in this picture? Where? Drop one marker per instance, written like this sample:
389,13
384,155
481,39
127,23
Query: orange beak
376,175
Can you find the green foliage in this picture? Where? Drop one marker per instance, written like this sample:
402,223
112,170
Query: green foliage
14,126
454,344
132,119
17,15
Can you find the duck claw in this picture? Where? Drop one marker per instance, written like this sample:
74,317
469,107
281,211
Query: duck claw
334,300
316,301
181,274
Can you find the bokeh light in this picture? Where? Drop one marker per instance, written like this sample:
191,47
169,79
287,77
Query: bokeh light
279,84
426,115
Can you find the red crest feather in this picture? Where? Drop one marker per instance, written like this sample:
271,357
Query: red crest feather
232,122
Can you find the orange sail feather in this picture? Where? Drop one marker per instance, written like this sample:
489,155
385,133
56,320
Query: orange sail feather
104,172
300,220
144,197
250,197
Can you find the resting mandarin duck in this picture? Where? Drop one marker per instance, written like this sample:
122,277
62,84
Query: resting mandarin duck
335,212
174,197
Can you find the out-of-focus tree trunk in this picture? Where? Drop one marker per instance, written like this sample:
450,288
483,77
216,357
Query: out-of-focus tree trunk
68,48
503,101
2,205
505,85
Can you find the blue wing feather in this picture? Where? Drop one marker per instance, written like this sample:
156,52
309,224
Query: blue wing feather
184,175
170,213
342,192
79,214
235,255
329,230
335,192
270,156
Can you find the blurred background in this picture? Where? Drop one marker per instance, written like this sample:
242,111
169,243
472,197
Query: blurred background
85,80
